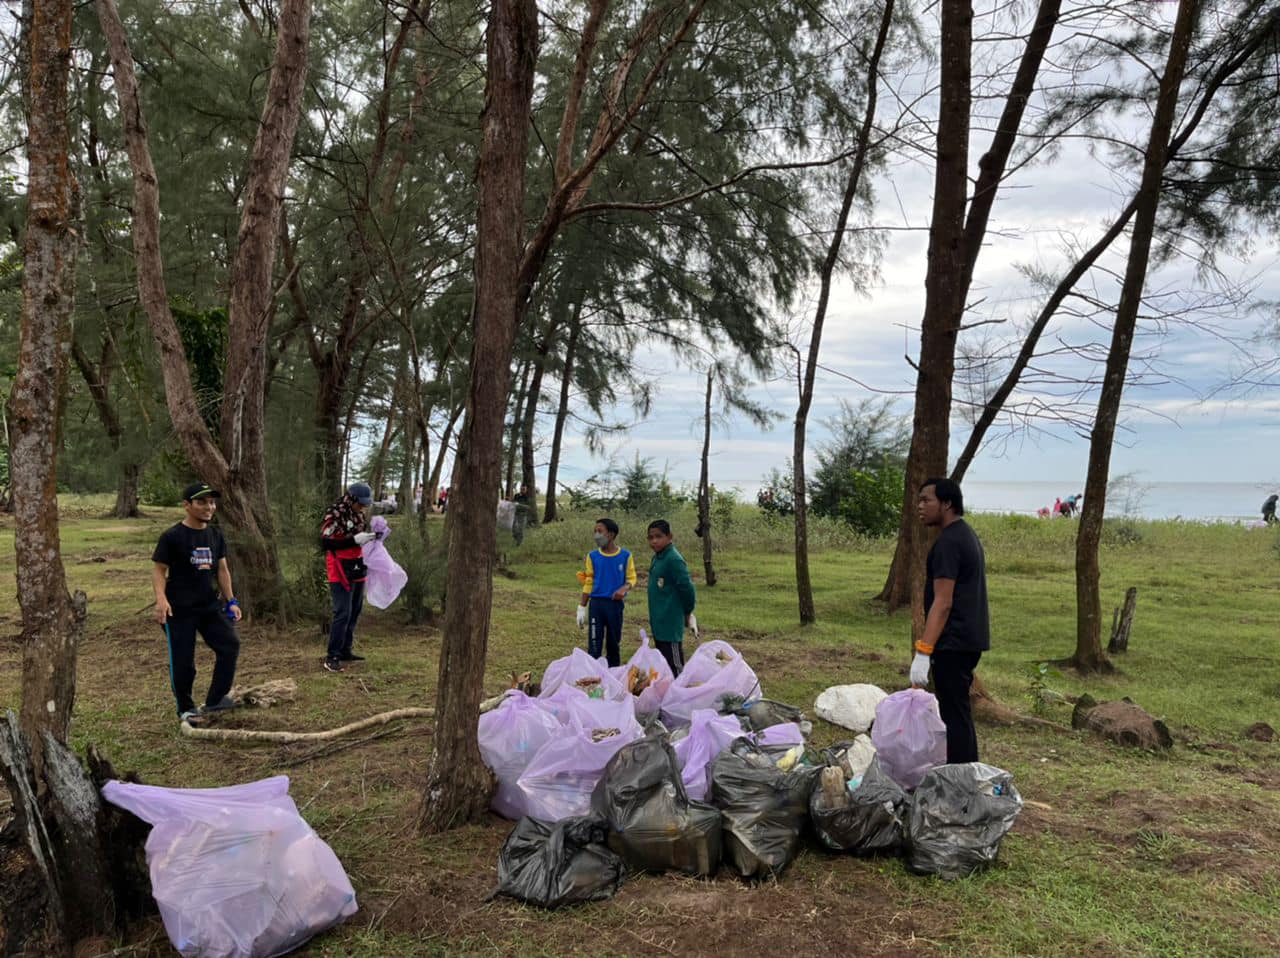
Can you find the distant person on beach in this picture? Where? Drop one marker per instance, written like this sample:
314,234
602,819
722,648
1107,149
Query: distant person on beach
671,596
609,573
957,626
189,571
1269,508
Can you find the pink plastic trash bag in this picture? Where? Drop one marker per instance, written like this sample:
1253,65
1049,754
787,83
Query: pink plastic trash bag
647,660
909,736
715,670
559,780
386,578
582,671
236,871
510,736
710,733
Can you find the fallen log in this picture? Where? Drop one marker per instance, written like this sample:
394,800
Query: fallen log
255,736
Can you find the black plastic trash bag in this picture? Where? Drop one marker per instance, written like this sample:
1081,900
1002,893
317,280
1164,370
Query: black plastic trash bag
958,815
867,820
558,863
652,822
759,714
764,806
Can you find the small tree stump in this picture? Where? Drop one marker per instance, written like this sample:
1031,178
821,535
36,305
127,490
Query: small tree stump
65,858
1122,622
39,878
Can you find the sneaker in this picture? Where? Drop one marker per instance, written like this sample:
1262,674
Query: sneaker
351,657
224,703
193,717
333,664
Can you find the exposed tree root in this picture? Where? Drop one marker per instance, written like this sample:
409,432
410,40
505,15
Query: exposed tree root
988,709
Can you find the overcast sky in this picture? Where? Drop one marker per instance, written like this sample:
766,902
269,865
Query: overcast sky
1179,424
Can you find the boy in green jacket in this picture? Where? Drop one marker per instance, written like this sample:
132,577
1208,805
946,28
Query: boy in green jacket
671,596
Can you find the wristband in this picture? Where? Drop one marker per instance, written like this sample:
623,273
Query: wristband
231,602
922,648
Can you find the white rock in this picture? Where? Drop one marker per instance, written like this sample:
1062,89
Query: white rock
850,706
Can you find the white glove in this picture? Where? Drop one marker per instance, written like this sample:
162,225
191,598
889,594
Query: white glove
582,616
920,670
693,624
363,537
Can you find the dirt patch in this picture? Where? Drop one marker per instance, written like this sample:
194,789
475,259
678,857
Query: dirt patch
667,914
1260,732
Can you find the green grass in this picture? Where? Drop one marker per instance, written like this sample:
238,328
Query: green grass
1124,853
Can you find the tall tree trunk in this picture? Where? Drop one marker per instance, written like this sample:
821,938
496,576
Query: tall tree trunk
528,470
704,481
1089,655
236,461
334,364
800,496
98,379
458,784
991,170
943,309
562,411
331,377
437,470
52,621
517,429
395,403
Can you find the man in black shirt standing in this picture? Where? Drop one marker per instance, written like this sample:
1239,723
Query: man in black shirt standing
190,570
957,628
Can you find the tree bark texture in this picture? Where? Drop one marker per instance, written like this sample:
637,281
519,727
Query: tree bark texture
52,621
237,464
459,786
704,483
800,497
943,310
562,412
1089,655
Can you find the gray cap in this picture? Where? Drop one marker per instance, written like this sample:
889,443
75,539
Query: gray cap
361,493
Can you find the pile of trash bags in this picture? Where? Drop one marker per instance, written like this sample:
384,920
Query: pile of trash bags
611,771
237,871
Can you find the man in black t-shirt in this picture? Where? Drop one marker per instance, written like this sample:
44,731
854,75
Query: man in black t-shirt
957,627
190,570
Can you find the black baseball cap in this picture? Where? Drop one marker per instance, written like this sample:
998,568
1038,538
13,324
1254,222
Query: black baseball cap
200,490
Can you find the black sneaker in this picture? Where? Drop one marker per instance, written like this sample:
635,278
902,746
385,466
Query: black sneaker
351,657
224,703
333,664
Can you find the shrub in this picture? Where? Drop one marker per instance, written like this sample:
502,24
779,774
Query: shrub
426,564
723,505
869,501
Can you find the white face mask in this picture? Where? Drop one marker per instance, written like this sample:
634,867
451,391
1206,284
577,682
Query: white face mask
601,540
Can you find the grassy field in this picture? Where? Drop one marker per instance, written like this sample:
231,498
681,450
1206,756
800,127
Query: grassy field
1125,853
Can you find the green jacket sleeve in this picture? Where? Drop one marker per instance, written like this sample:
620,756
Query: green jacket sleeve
684,586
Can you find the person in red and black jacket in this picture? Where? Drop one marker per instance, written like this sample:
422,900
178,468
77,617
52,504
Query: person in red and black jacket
342,533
